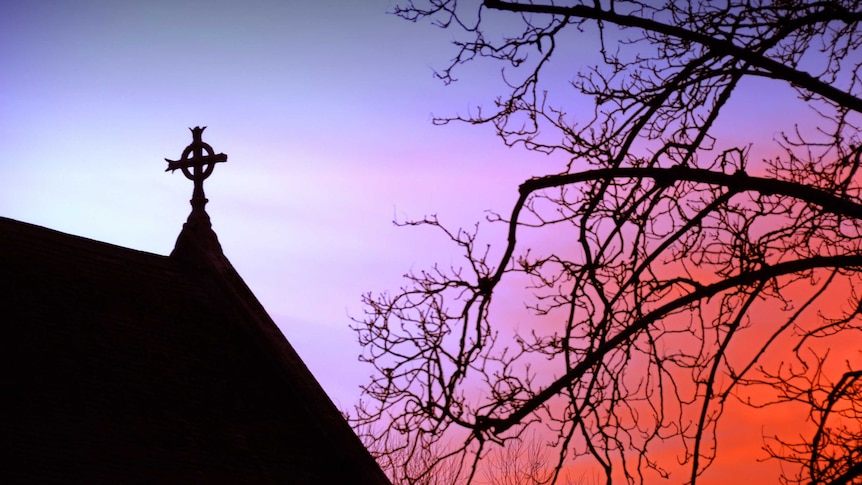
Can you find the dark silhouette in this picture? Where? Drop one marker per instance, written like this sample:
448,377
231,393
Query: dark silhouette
130,367
197,167
669,281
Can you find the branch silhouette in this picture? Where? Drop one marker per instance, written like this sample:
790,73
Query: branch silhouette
663,276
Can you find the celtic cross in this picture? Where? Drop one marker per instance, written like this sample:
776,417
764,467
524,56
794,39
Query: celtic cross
197,163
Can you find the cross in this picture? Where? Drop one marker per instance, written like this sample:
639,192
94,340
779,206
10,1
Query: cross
196,166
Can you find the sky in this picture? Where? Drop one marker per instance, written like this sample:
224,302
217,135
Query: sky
323,108
325,112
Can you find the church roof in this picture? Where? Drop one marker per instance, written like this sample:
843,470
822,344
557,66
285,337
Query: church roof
126,366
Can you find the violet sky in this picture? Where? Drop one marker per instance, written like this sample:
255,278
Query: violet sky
324,110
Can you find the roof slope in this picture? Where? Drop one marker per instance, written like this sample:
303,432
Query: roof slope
125,366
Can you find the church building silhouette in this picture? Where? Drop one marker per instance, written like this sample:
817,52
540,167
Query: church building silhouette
129,367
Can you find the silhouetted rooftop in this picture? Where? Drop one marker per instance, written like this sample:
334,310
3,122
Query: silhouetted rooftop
129,367
125,366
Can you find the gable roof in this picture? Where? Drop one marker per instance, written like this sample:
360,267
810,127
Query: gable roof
126,366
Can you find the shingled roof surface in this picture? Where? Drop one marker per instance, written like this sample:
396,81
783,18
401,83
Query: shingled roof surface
130,367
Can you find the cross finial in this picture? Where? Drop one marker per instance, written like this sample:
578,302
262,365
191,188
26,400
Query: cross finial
197,166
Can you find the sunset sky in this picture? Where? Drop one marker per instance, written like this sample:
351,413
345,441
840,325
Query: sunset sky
324,110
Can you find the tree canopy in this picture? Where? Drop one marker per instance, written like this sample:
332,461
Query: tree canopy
666,275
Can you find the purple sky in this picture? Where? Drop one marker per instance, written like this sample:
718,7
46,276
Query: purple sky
324,110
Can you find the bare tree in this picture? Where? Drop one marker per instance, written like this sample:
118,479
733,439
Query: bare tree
667,275
521,462
833,452
525,461
410,462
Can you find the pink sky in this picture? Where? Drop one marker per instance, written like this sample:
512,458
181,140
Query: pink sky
324,110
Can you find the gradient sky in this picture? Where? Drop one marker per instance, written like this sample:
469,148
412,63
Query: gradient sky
324,110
